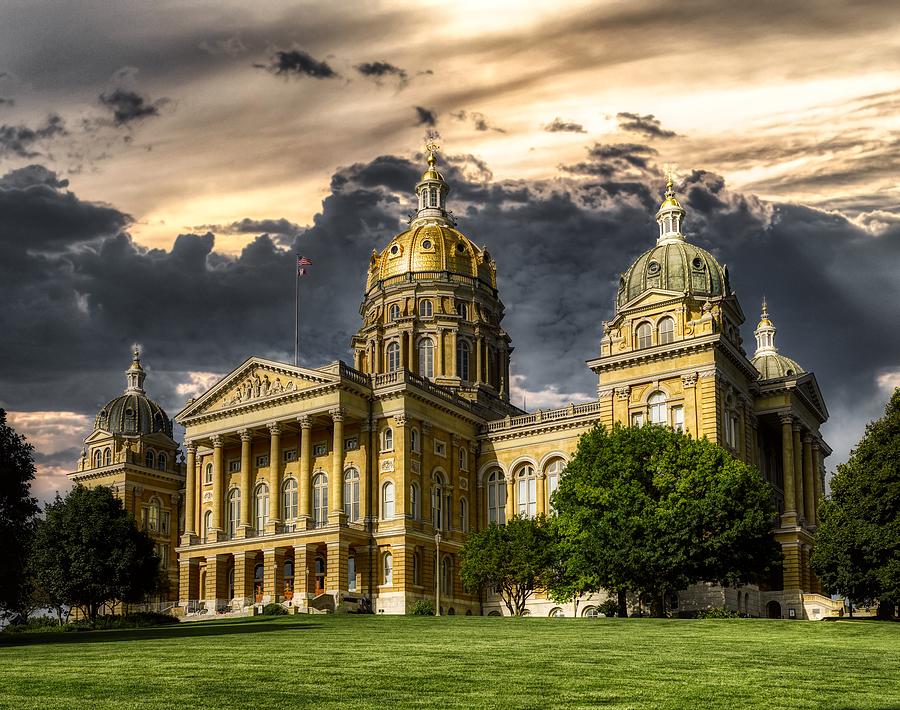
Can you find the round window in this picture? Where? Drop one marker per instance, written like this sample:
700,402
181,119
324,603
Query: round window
395,250
460,248
653,267
622,283
697,263
427,244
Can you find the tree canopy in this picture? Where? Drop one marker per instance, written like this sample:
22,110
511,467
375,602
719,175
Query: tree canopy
857,551
653,510
514,558
18,511
88,552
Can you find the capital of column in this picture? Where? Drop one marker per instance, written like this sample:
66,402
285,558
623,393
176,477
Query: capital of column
337,414
190,446
305,421
218,441
623,392
815,444
786,418
245,435
456,440
427,427
689,380
400,419
274,427
797,426
807,438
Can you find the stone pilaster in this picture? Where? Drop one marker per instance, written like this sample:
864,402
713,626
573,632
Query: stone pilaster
798,471
789,517
190,484
304,468
336,569
275,476
273,574
245,526
336,480
188,581
218,489
244,564
216,582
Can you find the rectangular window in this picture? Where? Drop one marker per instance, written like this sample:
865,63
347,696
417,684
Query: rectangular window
678,418
320,449
351,444
289,455
234,466
166,520
351,574
145,518
637,419
208,475
440,447
463,460
262,460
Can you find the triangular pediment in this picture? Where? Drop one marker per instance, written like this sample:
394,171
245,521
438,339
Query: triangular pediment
97,435
809,387
649,298
256,379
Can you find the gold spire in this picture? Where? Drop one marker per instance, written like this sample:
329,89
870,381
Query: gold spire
764,321
431,148
670,200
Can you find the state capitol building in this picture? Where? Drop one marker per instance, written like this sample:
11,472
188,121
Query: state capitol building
320,488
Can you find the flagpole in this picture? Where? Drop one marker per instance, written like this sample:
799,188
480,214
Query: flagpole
296,315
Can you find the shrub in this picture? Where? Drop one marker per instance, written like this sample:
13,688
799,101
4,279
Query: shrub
423,607
274,609
38,623
718,613
609,608
138,620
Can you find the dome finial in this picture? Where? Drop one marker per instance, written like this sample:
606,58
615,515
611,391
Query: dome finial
670,179
765,332
670,212
135,374
432,190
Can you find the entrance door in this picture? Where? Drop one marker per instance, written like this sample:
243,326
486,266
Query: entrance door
258,583
773,610
320,575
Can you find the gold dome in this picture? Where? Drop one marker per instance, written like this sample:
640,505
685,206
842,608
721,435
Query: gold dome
432,172
429,248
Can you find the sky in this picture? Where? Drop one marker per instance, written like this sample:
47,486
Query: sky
161,163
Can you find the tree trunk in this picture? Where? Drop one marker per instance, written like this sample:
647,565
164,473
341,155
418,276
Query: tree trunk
850,605
623,604
885,610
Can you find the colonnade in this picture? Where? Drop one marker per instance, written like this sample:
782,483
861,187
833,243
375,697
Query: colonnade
801,464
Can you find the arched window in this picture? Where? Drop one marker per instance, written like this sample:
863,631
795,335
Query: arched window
388,571
590,612
289,500
463,515
644,335
463,459
351,494
393,312
149,459
258,577
557,613
351,573
387,440
393,356
208,474
153,515
162,462
462,310
553,471
107,456
437,502
387,501
426,357
657,403
426,310
447,575
98,458
414,440
526,487
262,508
496,497
666,331
462,360
320,499
414,503
207,524
234,511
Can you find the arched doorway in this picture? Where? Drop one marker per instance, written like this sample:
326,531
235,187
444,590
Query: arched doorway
258,583
773,610
289,580
320,575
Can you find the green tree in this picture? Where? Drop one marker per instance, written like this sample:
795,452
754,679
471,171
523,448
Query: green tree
514,559
857,551
18,515
88,552
652,510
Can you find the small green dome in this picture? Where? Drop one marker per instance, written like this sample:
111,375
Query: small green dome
133,413
774,366
674,265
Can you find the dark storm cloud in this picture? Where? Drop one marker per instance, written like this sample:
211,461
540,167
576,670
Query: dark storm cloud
425,116
480,122
20,140
557,125
647,125
260,226
129,106
380,70
560,246
4,100
297,63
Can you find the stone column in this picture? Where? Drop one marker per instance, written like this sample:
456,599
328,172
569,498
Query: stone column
216,582
336,480
336,567
452,369
479,512
440,370
275,471
305,464
304,585
365,436
787,462
188,582
401,464
809,492
479,358
511,507
218,490
792,564
541,493
798,471
244,563
245,526
817,475
190,530
273,574
413,360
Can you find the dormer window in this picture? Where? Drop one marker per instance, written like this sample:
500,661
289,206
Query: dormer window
666,331
644,336
425,308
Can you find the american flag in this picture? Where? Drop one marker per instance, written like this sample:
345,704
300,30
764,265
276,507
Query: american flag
302,263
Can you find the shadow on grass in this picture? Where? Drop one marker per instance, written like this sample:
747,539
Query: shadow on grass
192,629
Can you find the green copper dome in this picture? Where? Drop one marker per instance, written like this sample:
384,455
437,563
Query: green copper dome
134,412
774,366
674,265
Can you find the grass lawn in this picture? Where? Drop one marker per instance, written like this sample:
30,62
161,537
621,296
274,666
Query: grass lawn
467,662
